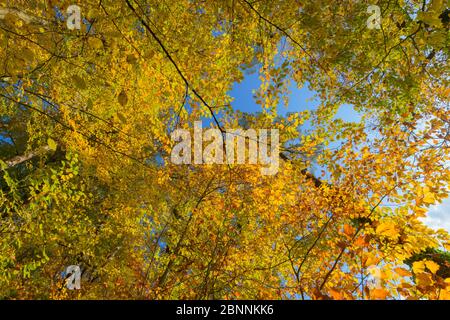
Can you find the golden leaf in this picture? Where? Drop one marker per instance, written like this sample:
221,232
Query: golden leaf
387,229
418,267
432,266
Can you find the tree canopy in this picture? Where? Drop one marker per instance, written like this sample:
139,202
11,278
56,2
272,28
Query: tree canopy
85,141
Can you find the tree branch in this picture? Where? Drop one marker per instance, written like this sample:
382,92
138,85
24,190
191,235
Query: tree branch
183,77
22,158
27,18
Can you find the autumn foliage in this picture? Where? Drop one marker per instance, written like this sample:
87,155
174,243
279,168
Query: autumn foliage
86,178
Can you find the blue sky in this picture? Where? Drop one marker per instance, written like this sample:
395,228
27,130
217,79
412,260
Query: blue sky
303,99
300,99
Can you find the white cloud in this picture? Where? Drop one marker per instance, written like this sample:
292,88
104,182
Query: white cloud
438,216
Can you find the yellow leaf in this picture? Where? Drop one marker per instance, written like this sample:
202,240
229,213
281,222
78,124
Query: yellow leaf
95,42
444,295
371,260
387,229
428,196
52,144
418,267
432,266
420,212
430,18
437,5
447,246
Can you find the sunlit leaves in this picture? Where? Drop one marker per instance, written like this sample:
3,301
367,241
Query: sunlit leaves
340,219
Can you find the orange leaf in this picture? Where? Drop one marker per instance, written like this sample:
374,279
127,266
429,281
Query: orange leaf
403,272
349,230
379,294
424,279
336,295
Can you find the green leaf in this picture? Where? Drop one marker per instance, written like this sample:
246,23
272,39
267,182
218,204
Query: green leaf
3,165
